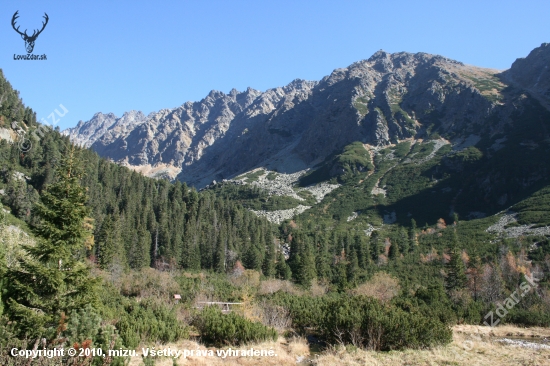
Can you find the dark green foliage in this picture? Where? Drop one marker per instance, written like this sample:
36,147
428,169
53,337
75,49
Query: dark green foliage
55,279
302,260
20,196
108,244
268,266
352,268
402,149
253,176
232,329
86,325
211,285
535,209
376,246
363,322
468,155
528,317
354,159
455,271
12,108
271,176
366,323
83,324
148,321
141,222
305,311
282,268
393,253
258,199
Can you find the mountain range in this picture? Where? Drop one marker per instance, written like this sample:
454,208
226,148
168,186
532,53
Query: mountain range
469,139
379,101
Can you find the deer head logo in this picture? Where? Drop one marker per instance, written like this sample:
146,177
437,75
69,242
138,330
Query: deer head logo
29,40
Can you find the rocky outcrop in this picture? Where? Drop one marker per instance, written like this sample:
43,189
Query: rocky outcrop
533,73
378,101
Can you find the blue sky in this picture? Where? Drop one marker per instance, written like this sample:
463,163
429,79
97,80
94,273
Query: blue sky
115,56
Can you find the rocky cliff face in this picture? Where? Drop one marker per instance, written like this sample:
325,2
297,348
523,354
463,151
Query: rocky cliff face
378,101
533,73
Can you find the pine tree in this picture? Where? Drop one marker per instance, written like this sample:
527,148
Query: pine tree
55,278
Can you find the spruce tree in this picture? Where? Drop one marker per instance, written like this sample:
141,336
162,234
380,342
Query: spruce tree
375,246
456,273
360,248
268,266
340,276
323,260
54,278
108,250
393,253
474,272
219,255
412,236
252,258
352,268
307,272
282,268
403,242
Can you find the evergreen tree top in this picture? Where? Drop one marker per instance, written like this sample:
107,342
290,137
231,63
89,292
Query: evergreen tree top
64,226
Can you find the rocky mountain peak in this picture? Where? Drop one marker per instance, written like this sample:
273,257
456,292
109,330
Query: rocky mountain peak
533,73
379,101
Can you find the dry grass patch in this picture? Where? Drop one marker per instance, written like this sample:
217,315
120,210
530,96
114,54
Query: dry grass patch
471,346
271,286
288,353
381,286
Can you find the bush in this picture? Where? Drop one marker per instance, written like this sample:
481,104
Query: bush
147,321
305,311
365,322
232,329
528,317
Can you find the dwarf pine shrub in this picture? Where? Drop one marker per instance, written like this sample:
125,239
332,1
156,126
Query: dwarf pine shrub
233,329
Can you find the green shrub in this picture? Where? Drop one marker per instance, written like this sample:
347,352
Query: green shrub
233,329
528,317
147,321
365,322
305,311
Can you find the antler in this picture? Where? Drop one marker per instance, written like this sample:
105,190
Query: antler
15,16
34,35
